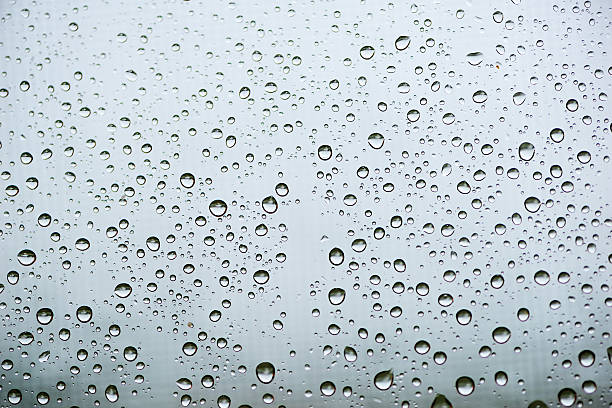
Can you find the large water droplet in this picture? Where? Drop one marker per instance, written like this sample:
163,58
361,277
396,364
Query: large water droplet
265,372
384,380
26,257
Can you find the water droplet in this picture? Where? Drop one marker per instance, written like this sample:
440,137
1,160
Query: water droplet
336,256
350,354
82,244
325,152
189,348
366,52
532,204
526,151
217,208
376,140
265,372
586,358
384,380
187,180
501,334
336,296
464,385
14,396
567,397
557,135
130,353
44,315
475,58
111,393
153,244
518,98
123,290
84,314
269,204
402,42
26,257
327,388
441,402
572,105
479,96
464,317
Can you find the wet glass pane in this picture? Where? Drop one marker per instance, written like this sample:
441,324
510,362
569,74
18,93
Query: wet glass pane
305,204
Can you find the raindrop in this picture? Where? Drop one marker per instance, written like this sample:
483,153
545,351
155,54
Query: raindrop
26,257
402,42
383,380
187,180
366,52
376,140
265,372
217,208
464,385
44,315
336,256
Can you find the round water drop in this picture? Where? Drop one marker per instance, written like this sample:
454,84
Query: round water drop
327,388
44,220
217,208
448,118
366,52
567,397
584,157
207,381
44,316
269,204
336,296
557,135
265,372
336,256
586,358
111,393
464,187
130,353
464,317
413,115
82,244
187,180
523,314
261,277
123,290
501,378
324,152
464,385
190,348
518,98
526,151
383,380
350,354
376,140
244,92
84,314
14,396
26,257
402,42
501,334
422,347
532,204
153,243
479,96
572,105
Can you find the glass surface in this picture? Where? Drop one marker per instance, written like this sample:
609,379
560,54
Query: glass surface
305,204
